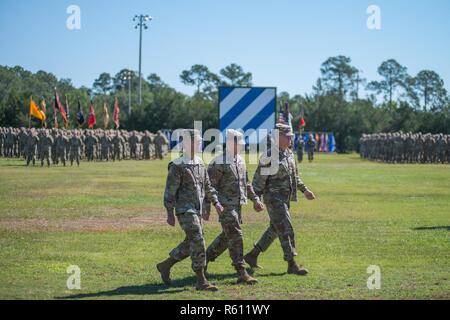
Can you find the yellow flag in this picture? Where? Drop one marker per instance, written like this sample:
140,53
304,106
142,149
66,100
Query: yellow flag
35,111
105,116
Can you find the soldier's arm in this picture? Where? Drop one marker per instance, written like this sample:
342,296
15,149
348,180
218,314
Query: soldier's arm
172,184
259,180
211,193
250,192
215,173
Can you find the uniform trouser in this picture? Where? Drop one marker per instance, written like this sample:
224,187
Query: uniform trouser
133,152
46,155
61,155
194,243
105,154
146,154
75,156
300,156
90,153
117,154
280,226
310,155
230,238
159,152
31,157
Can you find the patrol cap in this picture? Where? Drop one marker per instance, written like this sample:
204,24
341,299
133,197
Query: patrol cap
284,129
235,134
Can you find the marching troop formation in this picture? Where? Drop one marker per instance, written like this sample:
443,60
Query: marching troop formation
399,147
55,146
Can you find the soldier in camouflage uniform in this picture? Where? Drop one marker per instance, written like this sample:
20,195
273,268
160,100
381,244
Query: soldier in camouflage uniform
311,147
146,142
46,145
90,142
186,187
117,146
133,140
278,189
104,144
228,175
9,143
75,147
160,140
22,140
32,142
61,145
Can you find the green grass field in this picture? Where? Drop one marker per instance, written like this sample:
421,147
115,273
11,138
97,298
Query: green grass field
108,219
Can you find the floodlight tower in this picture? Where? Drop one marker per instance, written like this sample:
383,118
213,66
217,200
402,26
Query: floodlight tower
141,22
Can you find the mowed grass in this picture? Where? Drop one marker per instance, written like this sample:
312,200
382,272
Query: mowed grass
394,216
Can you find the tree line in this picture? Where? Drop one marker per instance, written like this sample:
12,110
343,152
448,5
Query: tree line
341,100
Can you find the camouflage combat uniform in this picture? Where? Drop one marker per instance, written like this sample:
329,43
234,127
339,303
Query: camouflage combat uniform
229,177
186,187
278,190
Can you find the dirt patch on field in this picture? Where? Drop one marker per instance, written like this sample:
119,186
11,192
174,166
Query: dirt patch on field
84,224
107,223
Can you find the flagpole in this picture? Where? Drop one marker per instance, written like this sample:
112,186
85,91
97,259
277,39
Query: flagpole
29,114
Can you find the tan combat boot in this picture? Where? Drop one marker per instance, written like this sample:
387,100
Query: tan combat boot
202,283
244,277
164,268
294,268
252,258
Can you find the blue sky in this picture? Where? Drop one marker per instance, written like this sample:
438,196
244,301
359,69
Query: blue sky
283,43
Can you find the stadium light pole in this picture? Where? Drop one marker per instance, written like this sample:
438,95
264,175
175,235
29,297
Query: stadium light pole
141,20
127,77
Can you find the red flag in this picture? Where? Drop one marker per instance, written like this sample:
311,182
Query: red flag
302,122
60,108
116,113
91,120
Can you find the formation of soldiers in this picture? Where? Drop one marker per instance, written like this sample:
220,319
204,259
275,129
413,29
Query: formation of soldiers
192,187
60,146
399,147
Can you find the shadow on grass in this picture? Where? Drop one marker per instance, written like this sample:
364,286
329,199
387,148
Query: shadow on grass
178,285
433,228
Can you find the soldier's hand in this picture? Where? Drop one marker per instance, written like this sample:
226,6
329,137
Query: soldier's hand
309,195
258,206
171,219
219,208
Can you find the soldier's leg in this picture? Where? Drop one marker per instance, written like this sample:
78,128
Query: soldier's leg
231,238
191,225
266,239
281,221
217,247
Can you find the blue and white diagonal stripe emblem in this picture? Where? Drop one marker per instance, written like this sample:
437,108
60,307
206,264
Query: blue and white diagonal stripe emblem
247,108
